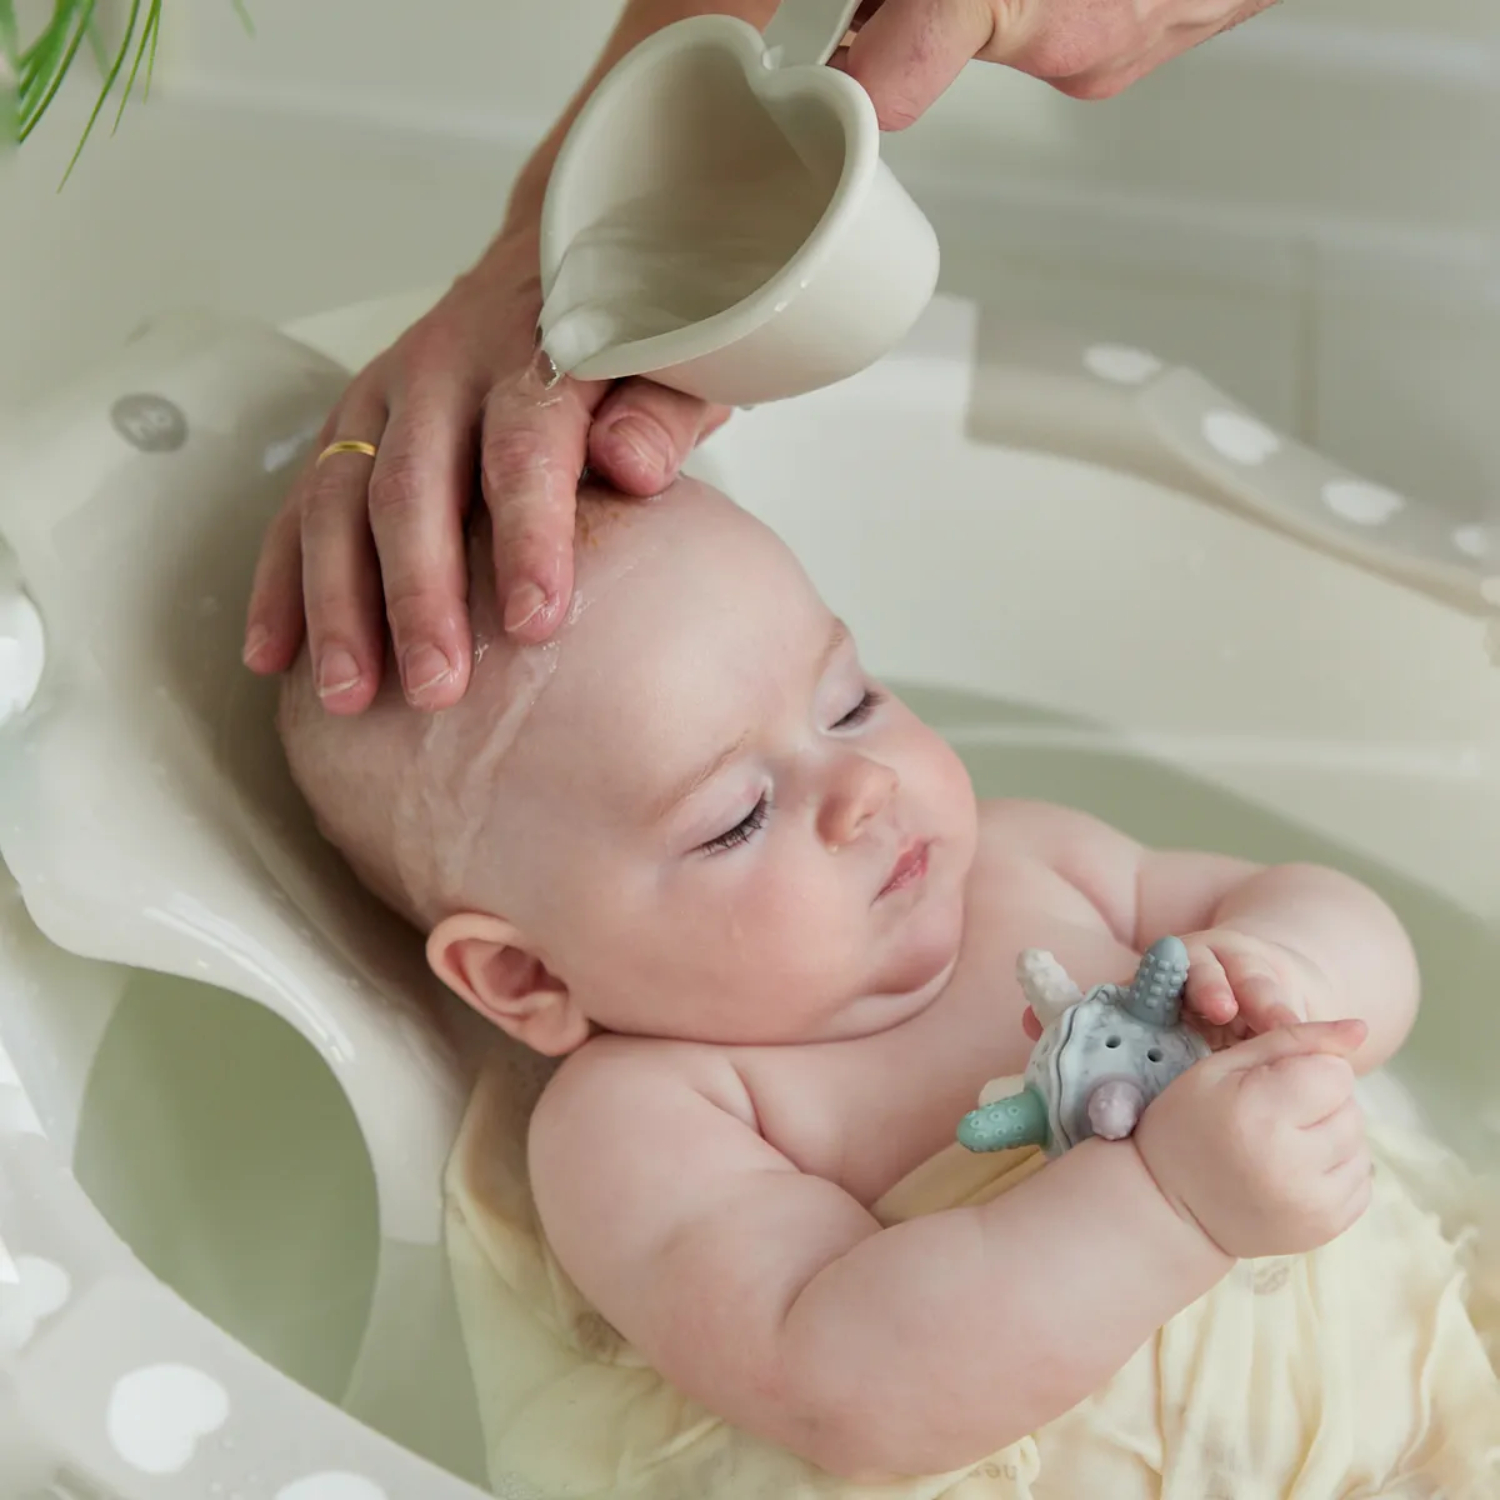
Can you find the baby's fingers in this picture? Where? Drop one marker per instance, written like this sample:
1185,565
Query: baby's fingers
1350,1185
1339,1137
1306,1038
1209,993
1303,1090
1260,992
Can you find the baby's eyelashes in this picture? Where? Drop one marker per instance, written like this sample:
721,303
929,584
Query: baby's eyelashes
743,831
870,700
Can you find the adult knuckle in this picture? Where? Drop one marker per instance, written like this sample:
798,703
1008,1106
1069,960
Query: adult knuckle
412,610
323,501
428,345
1092,88
514,457
396,490
1064,53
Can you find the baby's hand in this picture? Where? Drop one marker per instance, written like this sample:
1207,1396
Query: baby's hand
1239,986
1262,1146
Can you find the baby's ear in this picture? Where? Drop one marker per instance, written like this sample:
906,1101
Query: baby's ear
485,961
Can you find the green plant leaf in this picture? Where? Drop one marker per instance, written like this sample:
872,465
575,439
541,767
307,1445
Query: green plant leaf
40,67
10,75
10,35
147,49
56,50
109,83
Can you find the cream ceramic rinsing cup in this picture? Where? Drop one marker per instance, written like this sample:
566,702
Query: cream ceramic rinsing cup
719,217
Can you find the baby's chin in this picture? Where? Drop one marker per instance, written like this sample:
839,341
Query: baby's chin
900,992
924,948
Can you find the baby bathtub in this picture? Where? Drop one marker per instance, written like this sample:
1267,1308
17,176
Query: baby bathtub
220,1263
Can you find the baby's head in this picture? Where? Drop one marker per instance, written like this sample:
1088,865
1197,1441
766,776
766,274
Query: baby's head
691,815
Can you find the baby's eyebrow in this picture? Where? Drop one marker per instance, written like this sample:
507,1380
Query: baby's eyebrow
682,790
690,784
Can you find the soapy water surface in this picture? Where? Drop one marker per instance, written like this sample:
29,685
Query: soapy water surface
658,263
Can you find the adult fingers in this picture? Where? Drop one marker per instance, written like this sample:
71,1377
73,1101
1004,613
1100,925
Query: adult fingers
531,457
909,51
419,492
340,579
643,433
274,619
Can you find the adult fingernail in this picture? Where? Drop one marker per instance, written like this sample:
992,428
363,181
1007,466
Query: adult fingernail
646,440
256,641
422,669
337,673
526,602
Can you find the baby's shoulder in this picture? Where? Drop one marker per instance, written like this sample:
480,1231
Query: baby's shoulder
629,1139
628,1086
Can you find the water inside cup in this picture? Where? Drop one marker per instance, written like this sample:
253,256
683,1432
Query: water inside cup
678,255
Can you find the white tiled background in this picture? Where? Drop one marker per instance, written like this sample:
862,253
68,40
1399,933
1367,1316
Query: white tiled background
1307,210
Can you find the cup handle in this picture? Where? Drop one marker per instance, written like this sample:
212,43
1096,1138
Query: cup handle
806,32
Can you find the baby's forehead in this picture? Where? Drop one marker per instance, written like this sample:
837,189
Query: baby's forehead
655,688
672,596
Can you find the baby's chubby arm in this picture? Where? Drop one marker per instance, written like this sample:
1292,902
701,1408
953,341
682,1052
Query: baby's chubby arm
1258,936
776,1300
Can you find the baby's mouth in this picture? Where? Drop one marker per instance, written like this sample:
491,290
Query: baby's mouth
909,868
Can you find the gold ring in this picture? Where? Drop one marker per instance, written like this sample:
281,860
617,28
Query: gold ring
346,445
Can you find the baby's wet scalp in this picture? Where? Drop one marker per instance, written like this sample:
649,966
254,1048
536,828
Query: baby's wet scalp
410,798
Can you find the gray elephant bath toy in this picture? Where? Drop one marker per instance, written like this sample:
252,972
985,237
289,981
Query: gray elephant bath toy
1102,1056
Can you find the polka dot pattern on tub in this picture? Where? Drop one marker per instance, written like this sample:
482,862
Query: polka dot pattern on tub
334,1485
1121,364
157,1416
1240,439
1360,502
1472,541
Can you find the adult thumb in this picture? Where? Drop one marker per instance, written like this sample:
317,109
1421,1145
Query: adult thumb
909,51
1307,1038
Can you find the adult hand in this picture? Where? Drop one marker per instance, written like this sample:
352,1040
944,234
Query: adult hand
361,541
907,52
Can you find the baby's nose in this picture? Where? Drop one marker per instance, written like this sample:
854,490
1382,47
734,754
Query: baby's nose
862,791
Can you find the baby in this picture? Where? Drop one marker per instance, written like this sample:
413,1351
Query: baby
692,848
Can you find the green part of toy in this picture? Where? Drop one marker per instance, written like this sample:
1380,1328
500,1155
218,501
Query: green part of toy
1005,1125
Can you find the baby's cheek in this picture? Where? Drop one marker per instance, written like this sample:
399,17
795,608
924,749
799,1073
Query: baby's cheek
944,780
